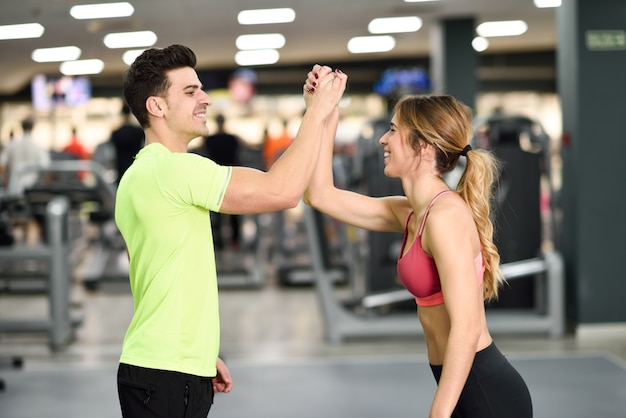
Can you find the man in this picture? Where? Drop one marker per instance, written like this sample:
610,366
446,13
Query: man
274,146
21,153
127,140
20,165
223,148
76,148
169,365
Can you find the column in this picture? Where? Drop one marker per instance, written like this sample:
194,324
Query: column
454,62
591,61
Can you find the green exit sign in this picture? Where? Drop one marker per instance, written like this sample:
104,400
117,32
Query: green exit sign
605,40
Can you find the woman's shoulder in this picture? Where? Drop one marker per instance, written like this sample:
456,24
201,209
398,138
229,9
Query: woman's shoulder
450,210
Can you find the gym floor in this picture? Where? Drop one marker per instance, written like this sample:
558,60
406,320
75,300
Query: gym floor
282,365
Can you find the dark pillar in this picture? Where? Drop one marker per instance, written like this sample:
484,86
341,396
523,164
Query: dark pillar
454,62
591,59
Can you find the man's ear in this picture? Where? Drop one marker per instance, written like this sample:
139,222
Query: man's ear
154,106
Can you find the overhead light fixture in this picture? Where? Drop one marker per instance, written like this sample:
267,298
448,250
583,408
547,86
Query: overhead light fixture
102,10
21,31
368,44
262,41
131,55
61,53
480,44
257,57
395,24
418,1
547,3
266,16
82,67
130,39
502,28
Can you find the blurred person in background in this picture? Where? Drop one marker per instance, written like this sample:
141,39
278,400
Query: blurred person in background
22,152
15,157
127,141
223,148
275,145
75,147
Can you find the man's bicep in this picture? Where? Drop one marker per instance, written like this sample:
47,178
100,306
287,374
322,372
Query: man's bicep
251,191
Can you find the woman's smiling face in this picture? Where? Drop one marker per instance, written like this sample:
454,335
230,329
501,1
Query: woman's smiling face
399,156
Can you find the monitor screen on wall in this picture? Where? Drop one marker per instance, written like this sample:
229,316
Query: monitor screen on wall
398,81
50,92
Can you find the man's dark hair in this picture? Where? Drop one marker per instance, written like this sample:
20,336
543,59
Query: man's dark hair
27,125
147,76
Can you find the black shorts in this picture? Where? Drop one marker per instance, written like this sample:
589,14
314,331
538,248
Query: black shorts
160,393
494,389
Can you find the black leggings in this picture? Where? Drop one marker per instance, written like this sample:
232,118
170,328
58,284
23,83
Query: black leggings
494,389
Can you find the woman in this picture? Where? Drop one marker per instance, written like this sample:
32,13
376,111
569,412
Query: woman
448,260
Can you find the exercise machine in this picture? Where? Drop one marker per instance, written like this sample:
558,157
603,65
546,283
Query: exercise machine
61,320
244,267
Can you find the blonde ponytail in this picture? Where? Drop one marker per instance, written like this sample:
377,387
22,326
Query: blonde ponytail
476,188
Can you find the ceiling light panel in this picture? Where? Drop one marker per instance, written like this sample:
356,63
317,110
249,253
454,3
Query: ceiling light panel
261,41
21,31
257,57
502,28
395,24
480,44
547,3
102,10
368,44
82,67
62,53
131,55
130,39
266,16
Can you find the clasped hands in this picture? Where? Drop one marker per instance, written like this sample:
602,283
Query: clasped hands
324,86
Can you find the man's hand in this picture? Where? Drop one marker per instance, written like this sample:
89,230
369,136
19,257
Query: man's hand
323,74
222,382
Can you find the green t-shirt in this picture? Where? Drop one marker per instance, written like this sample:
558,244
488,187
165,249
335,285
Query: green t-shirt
162,210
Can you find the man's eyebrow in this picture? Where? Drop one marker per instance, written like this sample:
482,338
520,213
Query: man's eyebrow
193,86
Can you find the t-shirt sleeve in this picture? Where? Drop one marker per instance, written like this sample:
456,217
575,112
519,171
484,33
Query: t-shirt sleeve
197,180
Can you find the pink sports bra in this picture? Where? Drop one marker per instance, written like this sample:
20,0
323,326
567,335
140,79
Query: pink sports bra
417,270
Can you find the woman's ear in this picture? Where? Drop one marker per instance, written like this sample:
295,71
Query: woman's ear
427,150
422,146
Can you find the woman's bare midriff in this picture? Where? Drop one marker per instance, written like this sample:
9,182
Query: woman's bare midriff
436,325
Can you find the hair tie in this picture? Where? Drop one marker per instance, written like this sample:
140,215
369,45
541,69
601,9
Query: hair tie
467,149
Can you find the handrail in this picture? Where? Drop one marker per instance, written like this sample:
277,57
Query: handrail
59,325
67,166
512,270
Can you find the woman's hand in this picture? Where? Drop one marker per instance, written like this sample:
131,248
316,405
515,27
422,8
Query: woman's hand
324,80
